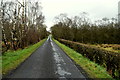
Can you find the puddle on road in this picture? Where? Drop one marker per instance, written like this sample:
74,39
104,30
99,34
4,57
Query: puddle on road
60,70
58,59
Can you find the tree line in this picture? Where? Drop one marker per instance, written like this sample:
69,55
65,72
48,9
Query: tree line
22,24
81,29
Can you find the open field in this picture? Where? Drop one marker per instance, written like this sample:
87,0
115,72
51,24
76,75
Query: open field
109,47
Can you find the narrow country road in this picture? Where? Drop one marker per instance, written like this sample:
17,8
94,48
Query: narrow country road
48,61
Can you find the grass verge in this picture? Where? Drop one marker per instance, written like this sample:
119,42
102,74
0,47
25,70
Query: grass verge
11,59
94,70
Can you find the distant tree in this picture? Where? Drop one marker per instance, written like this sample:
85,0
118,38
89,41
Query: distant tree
79,28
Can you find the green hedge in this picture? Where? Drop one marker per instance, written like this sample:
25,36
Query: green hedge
110,60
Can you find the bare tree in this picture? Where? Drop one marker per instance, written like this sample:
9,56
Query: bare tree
22,24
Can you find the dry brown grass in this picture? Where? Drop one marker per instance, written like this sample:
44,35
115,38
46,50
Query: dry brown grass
109,47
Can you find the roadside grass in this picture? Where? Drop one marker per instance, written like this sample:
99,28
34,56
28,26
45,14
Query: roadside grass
93,70
12,59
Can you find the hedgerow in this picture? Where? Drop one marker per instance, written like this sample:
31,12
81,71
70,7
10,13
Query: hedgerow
110,60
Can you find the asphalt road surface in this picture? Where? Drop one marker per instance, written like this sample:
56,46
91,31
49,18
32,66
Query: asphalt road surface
48,61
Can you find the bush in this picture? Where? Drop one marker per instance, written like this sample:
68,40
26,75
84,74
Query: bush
110,60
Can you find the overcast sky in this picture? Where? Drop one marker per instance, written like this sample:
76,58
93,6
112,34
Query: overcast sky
97,9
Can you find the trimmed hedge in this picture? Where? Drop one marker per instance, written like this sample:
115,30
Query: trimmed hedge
110,60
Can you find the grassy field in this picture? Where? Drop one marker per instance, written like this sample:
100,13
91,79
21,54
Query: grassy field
93,70
109,47
11,59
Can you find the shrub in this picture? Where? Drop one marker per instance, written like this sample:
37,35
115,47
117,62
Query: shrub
110,60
